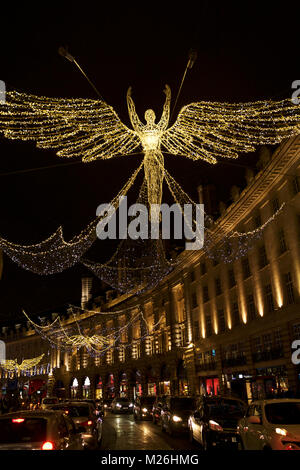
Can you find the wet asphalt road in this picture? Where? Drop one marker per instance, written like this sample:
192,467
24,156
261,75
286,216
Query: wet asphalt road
122,432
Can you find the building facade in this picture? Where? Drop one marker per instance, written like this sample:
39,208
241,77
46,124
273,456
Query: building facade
213,326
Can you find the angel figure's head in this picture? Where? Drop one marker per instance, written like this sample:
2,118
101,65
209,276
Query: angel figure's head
150,116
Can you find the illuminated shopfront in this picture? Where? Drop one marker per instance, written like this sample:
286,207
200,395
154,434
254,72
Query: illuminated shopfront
99,388
165,381
110,386
74,388
86,388
123,385
151,380
182,379
137,388
209,386
270,382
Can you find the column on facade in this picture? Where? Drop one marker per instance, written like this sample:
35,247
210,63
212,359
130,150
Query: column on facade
189,351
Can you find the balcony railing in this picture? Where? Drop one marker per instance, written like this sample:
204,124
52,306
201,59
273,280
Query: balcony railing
234,361
267,355
209,365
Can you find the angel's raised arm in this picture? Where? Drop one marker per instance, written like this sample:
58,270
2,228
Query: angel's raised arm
135,121
164,120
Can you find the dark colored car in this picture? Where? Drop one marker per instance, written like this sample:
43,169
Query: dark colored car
142,408
175,414
157,408
85,418
39,430
214,423
97,404
121,405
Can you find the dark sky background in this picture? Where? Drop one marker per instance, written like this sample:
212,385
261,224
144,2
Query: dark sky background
245,52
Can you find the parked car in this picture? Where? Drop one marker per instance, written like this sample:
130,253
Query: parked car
48,401
39,430
142,408
271,425
121,405
215,422
84,417
175,414
157,408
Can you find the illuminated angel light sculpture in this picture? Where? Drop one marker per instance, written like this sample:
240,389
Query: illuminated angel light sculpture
11,365
91,129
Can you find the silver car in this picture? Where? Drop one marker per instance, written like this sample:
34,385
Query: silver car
39,430
271,425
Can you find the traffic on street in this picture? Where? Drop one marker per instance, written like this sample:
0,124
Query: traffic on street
153,423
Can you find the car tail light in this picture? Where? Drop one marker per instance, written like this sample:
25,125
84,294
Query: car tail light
215,426
87,423
48,445
18,420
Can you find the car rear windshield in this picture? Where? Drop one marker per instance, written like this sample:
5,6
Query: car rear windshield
73,411
123,400
29,430
283,413
183,404
225,408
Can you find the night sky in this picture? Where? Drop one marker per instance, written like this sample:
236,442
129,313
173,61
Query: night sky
244,54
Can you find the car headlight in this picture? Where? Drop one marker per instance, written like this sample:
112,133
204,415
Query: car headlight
118,405
176,419
105,406
130,404
281,431
214,426
145,410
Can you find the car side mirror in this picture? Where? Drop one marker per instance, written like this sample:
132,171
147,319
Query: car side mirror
254,420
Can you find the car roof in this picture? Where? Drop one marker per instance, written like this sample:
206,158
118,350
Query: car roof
72,403
220,397
33,413
275,400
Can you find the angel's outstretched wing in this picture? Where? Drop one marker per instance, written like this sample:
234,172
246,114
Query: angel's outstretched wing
78,127
208,130
29,363
9,364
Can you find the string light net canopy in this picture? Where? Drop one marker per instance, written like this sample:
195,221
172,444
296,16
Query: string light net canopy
96,333
55,254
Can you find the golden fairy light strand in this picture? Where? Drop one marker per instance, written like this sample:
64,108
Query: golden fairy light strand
55,254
